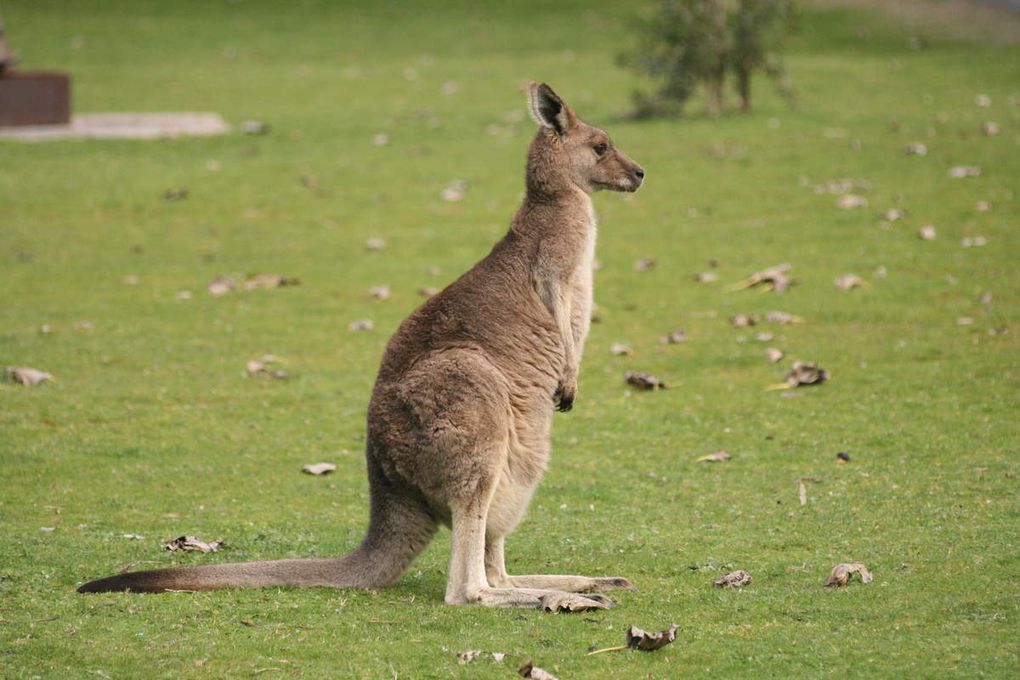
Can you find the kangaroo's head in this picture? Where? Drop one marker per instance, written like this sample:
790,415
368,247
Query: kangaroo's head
569,154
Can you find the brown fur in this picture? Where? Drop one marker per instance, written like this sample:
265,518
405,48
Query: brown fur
459,421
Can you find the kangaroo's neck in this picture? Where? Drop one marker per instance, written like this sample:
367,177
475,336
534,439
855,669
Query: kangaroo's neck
558,227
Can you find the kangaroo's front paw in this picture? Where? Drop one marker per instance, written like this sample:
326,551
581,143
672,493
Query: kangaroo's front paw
565,395
572,602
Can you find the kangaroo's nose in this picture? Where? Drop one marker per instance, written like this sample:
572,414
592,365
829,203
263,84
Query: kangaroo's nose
640,173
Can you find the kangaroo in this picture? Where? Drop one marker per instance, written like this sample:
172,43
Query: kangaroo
460,415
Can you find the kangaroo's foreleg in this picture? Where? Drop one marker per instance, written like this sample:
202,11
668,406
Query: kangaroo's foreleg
495,572
557,298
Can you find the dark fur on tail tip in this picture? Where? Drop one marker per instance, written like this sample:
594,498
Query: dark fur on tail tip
135,582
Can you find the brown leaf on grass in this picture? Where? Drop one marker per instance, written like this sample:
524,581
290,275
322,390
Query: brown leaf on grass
454,191
782,318
982,206
530,670
192,544
774,278
965,321
644,264
851,201
649,642
498,656
706,277
318,469
804,373
261,368
926,233
26,376
734,579
849,282
618,349
176,194
674,337
990,128
973,241
841,574
764,336
802,491
915,149
774,355
309,181
961,171
254,127
894,214
468,656
221,285
428,291
361,325
744,320
381,292
716,457
644,381
268,281
375,244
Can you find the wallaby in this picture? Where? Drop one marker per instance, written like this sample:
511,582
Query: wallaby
459,421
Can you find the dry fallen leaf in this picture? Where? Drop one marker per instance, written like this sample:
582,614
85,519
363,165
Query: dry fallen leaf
381,292
498,656
361,325
649,642
618,349
192,544
454,191
926,233
983,100
26,376
973,241
530,670
254,127
706,277
221,285
849,282
261,367
468,656
774,278
375,244
744,320
734,579
961,171
982,206
915,149
802,491
716,457
802,373
176,194
428,291
842,573
268,281
318,469
851,201
843,457
990,128
894,214
965,321
763,336
674,337
782,318
774,355
380,139
644,264
644,381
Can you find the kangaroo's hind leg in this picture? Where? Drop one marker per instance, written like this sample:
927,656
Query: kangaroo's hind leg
495,570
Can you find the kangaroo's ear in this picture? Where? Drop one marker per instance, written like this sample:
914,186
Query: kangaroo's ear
548,109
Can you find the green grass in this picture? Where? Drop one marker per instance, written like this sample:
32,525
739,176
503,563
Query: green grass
151,429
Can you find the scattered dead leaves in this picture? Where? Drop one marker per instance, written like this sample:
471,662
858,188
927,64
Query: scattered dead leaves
990,128
26,376
706,277
192,544
644,264
222,285
674,337
744,320
380,292
530,670
926,233
915,149
618,349
642,640
318,469
734,579
261,367
644,381
774,355
774,278
849,282
361,325
468,656
851,201
375,244
454,191
961,171
841,574
176,194
716,457
782,318
803,373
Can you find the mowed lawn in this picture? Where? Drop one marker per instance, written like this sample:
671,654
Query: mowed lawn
151,428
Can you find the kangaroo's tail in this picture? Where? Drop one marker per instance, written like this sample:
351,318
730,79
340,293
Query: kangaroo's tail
400,528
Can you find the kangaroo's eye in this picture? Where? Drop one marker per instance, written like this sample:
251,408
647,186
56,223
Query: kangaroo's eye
600,148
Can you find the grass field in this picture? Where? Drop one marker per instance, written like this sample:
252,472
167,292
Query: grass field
152,429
